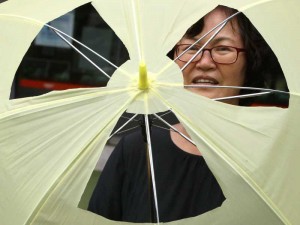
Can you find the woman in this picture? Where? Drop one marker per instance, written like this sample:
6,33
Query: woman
185,185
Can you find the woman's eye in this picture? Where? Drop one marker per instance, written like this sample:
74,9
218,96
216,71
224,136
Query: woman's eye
192,48
223,49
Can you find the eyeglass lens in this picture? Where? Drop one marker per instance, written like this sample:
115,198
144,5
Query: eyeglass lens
219,54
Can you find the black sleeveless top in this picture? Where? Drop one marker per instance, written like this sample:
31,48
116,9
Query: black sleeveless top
185,185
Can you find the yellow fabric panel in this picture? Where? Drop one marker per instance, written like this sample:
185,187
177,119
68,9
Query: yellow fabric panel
42,143
50,144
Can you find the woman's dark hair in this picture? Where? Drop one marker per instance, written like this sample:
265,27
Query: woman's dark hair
261,60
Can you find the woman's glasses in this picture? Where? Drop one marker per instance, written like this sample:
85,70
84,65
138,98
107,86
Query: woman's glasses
220,54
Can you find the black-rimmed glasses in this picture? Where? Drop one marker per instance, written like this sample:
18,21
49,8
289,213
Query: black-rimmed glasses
221,54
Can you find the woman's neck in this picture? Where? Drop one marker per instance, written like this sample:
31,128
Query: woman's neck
181,142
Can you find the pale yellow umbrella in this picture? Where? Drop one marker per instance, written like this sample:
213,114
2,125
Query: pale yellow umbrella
45,166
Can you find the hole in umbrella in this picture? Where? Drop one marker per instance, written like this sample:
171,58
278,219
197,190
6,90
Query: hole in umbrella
51,64
262,68
124,191
116,135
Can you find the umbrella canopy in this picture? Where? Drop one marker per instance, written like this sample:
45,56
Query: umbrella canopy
44,166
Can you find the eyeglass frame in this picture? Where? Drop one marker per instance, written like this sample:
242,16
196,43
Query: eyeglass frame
238,50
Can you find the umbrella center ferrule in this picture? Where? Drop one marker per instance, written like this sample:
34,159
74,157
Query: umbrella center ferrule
143,77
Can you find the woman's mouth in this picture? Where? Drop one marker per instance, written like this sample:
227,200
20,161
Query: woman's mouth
204,81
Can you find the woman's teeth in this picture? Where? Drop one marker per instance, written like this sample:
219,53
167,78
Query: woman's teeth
204,81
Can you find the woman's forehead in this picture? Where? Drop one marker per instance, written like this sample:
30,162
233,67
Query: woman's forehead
217,16
230,33
227,36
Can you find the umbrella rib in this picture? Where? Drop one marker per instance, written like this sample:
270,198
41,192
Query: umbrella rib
203,46
151,166
75,40
83,55
129,129
237,87
164,128
83,45
164,114
120,128
126,117
223,23
242,96
174,129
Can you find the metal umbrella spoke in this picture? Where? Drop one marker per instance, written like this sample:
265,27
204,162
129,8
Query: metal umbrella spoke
120,128
164,128
242,96
128,118
164,114
265,91
129,129
84,56
174,129
203,46
62,35
237,87
149,146
81,44
223,23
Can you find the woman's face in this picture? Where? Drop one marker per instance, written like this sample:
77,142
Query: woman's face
206,71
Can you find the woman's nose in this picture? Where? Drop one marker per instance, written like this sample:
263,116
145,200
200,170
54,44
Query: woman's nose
206,62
